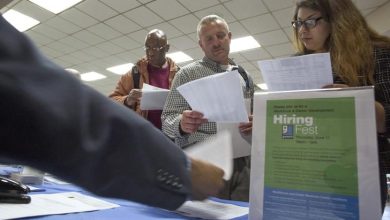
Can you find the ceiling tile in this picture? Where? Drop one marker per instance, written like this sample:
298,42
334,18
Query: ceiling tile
167,9
280,50
365,4
120,5
125,42
237,58
196,53
143,16
256,54
49,32
237,30
250,8
284,17
82,56
186,24
104,31
88,37
127,55
33,10
168,29
183,43
96,9
74,42
217,10
60,47
289,33
38,38
95,52
62,25
197,5
260,24
139,36
110,48
70,59
122,24
61,63
272,38
51,53
79,18
274,5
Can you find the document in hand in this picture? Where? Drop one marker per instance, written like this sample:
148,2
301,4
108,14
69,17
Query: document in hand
219,97
153,98
297,73
216,150
315,155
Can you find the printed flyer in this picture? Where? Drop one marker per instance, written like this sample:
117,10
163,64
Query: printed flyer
310,159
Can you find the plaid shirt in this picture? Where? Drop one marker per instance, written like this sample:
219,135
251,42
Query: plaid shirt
176,104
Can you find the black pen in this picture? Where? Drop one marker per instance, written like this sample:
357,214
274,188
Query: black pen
14,198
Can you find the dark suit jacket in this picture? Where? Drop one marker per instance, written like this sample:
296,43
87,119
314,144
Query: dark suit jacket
50,121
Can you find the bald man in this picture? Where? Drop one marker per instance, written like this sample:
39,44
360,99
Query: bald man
154,69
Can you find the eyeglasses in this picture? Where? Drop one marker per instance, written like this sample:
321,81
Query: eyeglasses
309,23
157,49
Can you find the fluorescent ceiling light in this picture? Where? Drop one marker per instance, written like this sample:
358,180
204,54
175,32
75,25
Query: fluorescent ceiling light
121,69
55,6
243,43
263,86
20,21
179,57
92,76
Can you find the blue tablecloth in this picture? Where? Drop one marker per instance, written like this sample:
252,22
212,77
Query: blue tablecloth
127,209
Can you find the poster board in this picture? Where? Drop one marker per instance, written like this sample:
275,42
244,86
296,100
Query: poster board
314,155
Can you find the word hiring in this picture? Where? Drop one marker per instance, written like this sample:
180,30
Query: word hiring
303,125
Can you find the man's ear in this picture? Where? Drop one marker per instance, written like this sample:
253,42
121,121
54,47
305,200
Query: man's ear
167,48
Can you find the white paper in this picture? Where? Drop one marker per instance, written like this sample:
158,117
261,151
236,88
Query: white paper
219,97
50,204
208,209
297,73
241,143
216,150
153,98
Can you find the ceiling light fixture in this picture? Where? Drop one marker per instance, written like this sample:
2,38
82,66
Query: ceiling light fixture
20,21
179,57
121,69
243,43
92,76
55,6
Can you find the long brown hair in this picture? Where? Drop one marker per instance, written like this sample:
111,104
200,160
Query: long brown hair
351,42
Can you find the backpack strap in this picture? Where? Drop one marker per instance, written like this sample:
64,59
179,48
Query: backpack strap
244,75
136,76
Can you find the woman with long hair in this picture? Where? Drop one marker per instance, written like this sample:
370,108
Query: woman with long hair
359,56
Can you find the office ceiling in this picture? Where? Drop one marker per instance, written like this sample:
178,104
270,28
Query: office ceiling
97,34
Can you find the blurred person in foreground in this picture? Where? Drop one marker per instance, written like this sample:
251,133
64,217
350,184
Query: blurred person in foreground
58,125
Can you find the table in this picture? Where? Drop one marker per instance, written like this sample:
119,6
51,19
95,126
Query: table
127,209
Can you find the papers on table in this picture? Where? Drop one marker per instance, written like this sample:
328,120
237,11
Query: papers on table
219,97
58,203
297,73
211,210
153,98
216,150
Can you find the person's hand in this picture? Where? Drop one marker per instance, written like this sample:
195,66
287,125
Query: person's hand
206,179
133,97
246,128
191,121
336,85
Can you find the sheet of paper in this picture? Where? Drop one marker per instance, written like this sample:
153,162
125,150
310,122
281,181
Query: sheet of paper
219,97
216,150
50,204
153,98
297,73
315,154
211,210
241,143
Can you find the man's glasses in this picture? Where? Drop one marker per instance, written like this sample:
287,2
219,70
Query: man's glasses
309,23
157,49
